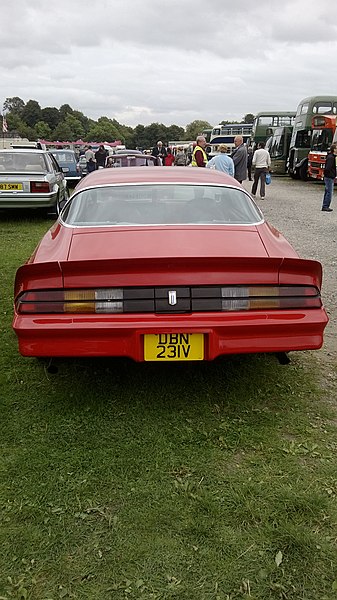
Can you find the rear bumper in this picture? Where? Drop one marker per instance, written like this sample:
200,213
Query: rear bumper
19,200
73,178
123,335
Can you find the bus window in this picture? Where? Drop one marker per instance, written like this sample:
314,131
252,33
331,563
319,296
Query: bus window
321,139
304,109
323,109
265,121
302,139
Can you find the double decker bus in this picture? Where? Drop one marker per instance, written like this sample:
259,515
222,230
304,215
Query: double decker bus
300,144
278,147
266,122
323,134
225,134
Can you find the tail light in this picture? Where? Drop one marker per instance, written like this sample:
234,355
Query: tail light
269,297
111,300
39,187
71,301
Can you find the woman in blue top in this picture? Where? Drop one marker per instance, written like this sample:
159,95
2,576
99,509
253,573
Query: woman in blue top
222,162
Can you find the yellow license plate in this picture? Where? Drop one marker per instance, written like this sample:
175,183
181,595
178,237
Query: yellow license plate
10,186
174,346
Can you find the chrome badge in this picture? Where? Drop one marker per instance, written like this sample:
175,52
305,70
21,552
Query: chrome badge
172,297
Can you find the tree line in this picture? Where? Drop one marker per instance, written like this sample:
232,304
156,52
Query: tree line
31,121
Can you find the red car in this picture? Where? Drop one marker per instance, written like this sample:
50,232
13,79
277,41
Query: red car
163,264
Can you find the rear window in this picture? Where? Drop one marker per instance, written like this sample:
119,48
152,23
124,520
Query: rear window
21,162
64,157
155,204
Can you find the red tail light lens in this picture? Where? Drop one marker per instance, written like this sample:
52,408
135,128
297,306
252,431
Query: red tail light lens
39,187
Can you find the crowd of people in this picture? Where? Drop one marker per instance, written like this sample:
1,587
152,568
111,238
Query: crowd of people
240,164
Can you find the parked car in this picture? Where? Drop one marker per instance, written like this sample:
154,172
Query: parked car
124,159
68,162
163,264
31,178
82,165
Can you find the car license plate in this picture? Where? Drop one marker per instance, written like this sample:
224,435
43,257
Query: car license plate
65,169
174,346
10,186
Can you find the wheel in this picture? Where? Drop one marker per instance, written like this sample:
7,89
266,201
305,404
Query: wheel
61,203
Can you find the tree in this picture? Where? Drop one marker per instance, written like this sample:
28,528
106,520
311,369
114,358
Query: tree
103,131
14,105
248,118
65,110
174,132
43,130
62,133
51,116
75,126
31,113
196,128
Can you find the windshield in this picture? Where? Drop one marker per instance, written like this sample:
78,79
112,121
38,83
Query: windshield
18,162
156,204
321,139
64,157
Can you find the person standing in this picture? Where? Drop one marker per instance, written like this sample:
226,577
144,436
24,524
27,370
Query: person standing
239,156
261,161
101,156
222,162
169,158
329,177
90,158
180,158
249,162
199,156
159,151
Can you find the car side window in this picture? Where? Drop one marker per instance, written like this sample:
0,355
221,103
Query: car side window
56,167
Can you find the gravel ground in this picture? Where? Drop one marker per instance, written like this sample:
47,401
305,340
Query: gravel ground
294,208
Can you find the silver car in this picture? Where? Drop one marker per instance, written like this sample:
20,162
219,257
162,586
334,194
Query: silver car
31,179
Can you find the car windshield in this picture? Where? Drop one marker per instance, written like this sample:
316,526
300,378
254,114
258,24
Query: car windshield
19,162
64,157
161,204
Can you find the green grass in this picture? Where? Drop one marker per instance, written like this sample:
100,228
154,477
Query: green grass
215,481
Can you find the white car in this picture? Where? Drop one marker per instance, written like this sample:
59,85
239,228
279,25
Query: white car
31,179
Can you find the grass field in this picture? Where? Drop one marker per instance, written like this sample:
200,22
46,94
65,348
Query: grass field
190,482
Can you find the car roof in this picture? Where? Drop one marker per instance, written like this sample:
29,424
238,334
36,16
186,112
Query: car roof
23,150
140,175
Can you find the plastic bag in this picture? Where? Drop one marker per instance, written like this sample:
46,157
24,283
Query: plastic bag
268,178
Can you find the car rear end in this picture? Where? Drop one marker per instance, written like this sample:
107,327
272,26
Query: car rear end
26,180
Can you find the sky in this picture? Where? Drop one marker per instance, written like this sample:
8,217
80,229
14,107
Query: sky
168,61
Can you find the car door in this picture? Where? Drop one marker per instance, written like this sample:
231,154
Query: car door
58,176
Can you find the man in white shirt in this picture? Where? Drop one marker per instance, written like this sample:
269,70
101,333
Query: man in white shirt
90,158
261,162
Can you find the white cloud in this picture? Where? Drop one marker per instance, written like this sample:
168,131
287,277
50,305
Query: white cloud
171,62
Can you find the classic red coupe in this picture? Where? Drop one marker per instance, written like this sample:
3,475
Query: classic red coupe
165,264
